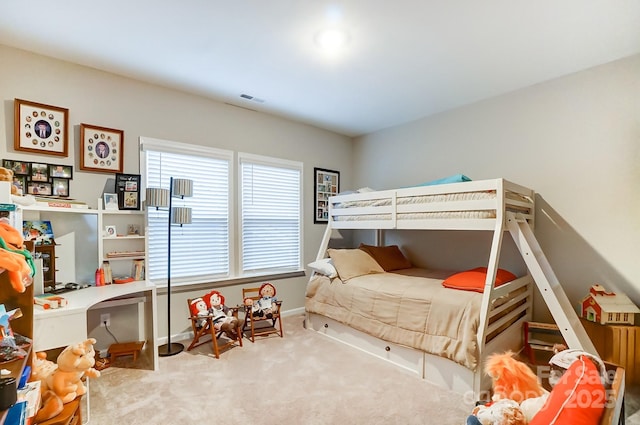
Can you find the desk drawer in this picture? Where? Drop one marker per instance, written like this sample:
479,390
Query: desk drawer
59,331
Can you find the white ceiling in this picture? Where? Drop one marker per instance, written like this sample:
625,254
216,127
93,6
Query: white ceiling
405,59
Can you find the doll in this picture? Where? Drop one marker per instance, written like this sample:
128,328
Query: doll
199,308
266,305
222,320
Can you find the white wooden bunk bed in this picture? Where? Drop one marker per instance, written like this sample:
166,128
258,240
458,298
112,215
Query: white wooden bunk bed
495,205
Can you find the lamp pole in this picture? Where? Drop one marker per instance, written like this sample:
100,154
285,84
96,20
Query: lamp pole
169,349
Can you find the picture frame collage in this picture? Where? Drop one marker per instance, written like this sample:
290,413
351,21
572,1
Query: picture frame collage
40,178
326,184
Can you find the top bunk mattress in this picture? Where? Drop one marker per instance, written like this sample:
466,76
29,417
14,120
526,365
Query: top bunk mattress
481,200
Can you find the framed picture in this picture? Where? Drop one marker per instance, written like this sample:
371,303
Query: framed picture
110,201
40,128
39,172
60,187
110,231
39,231
61,171
128,190
326,184
101,149
21,183
39,188
19,168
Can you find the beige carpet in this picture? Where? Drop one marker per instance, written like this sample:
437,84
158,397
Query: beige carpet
303,378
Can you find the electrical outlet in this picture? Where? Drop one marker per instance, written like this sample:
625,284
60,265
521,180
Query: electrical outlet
105,319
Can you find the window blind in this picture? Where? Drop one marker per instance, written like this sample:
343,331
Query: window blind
270,215
200,250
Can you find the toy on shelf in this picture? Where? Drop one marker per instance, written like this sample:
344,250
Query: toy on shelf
606,308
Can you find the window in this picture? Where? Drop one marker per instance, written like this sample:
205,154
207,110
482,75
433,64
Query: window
209,231
270,215
269,235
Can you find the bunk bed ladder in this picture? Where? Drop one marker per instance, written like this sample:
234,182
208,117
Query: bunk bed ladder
559,305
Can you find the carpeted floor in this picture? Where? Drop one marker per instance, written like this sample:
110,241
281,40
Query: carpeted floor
303,378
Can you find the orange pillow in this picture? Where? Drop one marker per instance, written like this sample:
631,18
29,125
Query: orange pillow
583,405
473,280
389,257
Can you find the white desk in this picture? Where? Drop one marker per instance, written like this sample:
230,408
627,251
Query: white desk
68,325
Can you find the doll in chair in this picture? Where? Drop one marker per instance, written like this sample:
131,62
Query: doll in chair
222,319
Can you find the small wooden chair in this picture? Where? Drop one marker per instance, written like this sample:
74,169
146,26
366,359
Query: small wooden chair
260,326
207,328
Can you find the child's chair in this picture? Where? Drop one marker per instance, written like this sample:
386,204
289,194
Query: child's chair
260,325
203,326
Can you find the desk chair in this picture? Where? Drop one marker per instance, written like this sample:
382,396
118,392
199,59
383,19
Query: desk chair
207,328
260,326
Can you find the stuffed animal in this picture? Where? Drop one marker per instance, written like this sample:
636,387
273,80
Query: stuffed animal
222,320
74,362
512,379
50,404
15,258
266,305
200,309
501,412
6,175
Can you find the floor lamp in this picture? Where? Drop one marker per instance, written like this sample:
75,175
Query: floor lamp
163,198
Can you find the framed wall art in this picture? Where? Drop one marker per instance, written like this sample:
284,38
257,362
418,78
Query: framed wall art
41,128
128,190
326,184
101,149
40,179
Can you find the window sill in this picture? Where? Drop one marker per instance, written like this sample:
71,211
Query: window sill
186,286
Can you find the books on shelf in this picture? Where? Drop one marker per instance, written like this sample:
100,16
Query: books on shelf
119,254
60,203
108,277
138,269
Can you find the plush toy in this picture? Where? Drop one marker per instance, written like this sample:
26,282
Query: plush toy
222,320
512,379
266,305
74,362
6,175
15,258
501,412
200,309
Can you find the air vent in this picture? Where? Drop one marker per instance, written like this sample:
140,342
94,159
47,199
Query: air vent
253,99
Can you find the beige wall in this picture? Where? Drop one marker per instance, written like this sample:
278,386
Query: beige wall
142,109
575,140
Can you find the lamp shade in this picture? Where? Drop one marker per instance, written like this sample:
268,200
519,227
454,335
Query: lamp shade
181,215
182,187
157,197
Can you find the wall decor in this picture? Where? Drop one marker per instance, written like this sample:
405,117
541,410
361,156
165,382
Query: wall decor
41,128
38,178
128,190
110,201
101,149
326,184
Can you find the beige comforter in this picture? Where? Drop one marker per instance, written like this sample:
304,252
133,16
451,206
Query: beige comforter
408,307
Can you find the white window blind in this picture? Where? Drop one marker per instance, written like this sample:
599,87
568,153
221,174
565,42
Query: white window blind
270,215
200,250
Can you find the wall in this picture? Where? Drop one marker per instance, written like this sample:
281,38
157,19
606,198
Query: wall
575,140
142,109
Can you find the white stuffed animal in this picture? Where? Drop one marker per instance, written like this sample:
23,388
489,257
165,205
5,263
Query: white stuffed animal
501,412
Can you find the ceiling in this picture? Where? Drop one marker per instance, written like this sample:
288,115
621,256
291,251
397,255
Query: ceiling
404,59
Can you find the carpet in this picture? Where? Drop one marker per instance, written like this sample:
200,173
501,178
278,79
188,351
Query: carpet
303,378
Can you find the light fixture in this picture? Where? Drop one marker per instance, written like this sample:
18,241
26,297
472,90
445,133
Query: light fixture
163,198
331,39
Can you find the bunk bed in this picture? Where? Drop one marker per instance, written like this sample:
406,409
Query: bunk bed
495,205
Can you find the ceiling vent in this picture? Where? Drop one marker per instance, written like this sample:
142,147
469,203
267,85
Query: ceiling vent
251,98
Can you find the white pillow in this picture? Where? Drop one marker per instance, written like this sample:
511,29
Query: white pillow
325,267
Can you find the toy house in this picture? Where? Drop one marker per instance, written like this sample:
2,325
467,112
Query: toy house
605,307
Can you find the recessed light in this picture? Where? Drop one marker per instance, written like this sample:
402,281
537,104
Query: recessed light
331,39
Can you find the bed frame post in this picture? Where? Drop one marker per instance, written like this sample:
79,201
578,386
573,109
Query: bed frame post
322,252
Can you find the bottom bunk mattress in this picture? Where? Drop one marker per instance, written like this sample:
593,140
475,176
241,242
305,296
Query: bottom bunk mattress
409,307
